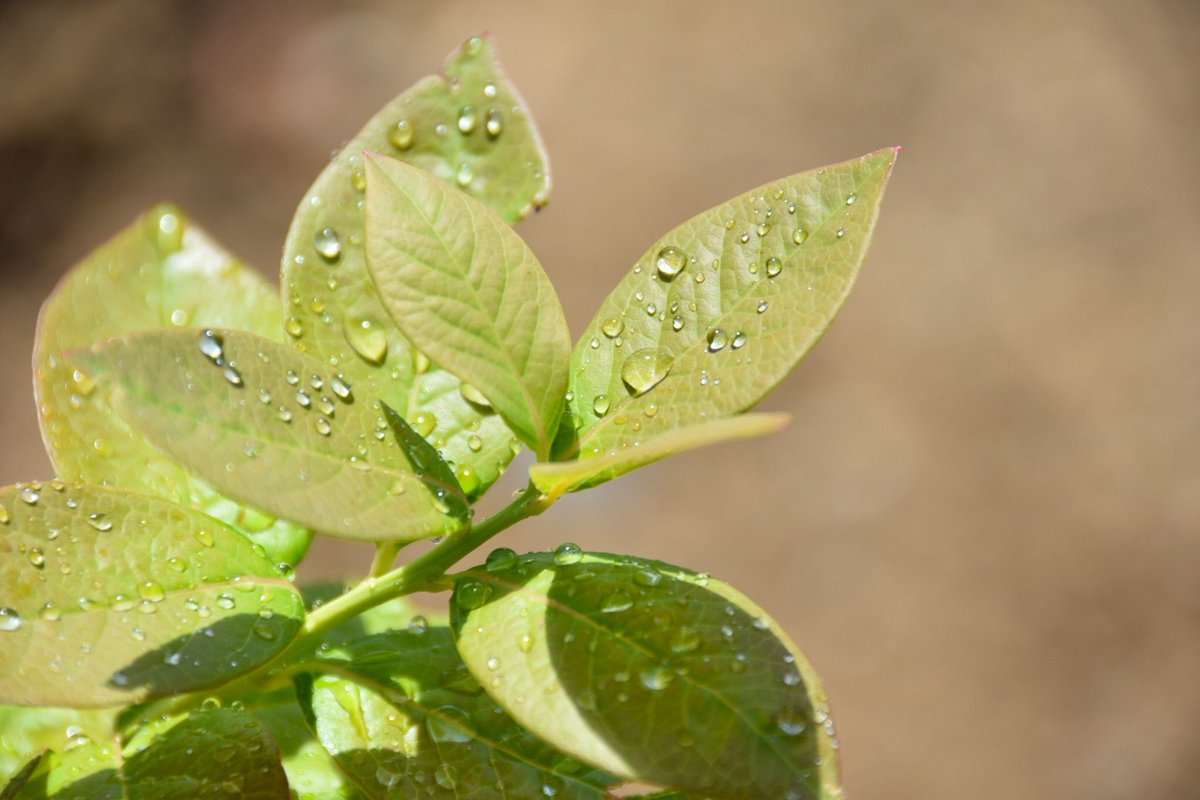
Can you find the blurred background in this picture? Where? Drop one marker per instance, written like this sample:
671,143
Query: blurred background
984,525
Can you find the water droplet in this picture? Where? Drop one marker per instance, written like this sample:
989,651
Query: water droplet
851,199
600,405
617,601
37,557
474,443
490,90
762,307
651,309
567,553
211,345
294,327
232,375
303,399
471,594
473,395
327,244
495,123
177,564
82,382
739,341
468,479
645,369
656,678
468,118
50,613
367,337
340,387
168,230
226,601
774,267
841,232
762,229
323,427
152,591
449,724
465,175
594,343
10,620
677,323
205,538
4,515
358,180
669,262
745,237
685,639
446,776
791,721
30,494
612,327
716,340
647,577
424,423
98,522
402,135
501,559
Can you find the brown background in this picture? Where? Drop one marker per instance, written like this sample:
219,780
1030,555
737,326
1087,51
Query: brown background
984,526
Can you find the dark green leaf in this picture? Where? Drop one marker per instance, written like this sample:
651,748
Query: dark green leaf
273,427
650,672
334,309
402,716
161,272
108,597
720,309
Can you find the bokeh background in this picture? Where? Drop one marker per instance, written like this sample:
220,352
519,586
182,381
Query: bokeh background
984,525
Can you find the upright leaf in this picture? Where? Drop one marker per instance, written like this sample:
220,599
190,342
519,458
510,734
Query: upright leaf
469,127
462,286
650,672
272,427
210,753
108,598
720,309
401,715
161,272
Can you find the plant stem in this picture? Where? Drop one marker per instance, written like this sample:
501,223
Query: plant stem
385,556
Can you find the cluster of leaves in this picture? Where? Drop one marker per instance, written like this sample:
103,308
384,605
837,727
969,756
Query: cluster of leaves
153,642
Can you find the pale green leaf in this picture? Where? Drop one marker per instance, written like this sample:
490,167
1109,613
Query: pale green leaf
557,478
334,309
464,287
209,753
273,427
650,672
160,272
25,731
400,713
109,597
718,311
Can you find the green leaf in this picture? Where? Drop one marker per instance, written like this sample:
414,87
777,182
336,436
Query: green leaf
109,597
650,672
720,309
556,478
272,427
20,778
26,731
400,713
334,309
463,287
311,771
210,753
160,272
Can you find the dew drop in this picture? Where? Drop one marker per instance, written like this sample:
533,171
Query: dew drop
424,423
4,515
762,307
774,267
211,345
323,427
791,721
677,323
567,553
468,118
841,233
669,262
474,443
612,327
739,341
37,557
340,387
473,395
98,522
501,559
465,175
685,639
471,594
152,591
30,494
10,620
402,135
617,601
495,123
851,199
168,231
232,375
446,776
716,340
647,577
799,236
645,369
205,538
468,480
600,405
656,678
367,337
327,244
449,724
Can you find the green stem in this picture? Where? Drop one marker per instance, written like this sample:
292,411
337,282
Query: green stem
385,556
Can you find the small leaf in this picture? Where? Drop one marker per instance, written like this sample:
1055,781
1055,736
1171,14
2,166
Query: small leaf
19,779
311,772
32,730
161,272
272,427
557,478
400,707
108,598
221,752
720,309
463,287
650,672
334,311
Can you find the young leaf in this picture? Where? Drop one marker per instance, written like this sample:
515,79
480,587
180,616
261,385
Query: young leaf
720,309
160,272
650,672
272,427
33,730
398,711
222,752
557,478
108,597
469,127
463,287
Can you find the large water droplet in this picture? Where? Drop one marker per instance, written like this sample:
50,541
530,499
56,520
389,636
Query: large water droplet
367,337
323,427
716,340
656,678
449,724
799,236
152,591
617,601
645,369
677,323
739,341
468,118
424,423
168,231
10,620
684,639
567,553
501,559
612,327
473,395
232,375
600,405
211,345
471,594
340,387
669,262
774,267
791,721
327,244
30,494
465,175
402,135
495,123
851,199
